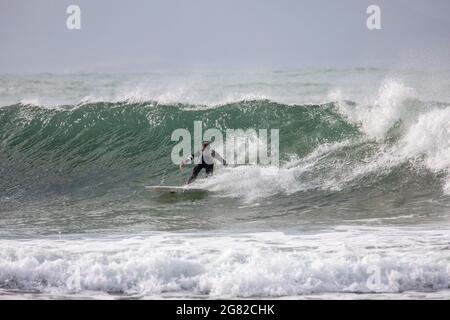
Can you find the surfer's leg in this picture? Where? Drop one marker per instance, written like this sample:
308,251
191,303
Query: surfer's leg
195,173
209,169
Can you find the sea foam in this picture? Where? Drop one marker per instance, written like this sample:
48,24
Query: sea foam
271,264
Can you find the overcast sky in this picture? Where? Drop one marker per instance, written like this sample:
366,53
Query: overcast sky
149,35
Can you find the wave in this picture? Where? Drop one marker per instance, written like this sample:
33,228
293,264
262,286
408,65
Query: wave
348,261
72,177
331,146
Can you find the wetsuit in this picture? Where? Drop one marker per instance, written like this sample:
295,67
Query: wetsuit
206,162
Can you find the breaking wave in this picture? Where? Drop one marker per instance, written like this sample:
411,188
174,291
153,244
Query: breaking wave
225,266
334,146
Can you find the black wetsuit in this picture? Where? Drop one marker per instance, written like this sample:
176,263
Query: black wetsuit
209,167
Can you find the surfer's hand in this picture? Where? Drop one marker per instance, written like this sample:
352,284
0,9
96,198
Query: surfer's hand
181,164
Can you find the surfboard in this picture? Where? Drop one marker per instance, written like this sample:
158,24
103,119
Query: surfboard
175,189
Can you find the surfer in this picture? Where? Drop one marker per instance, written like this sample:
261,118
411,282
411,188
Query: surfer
206,161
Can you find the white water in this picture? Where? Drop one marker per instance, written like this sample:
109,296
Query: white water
425,127
391,261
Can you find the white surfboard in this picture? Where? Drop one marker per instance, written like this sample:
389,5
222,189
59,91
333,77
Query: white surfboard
175,189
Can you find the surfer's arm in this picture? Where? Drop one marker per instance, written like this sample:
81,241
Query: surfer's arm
217,156
192,156
189,159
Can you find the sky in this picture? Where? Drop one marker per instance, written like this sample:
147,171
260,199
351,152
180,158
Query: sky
158,35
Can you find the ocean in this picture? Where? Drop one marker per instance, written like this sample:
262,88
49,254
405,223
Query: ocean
359,207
